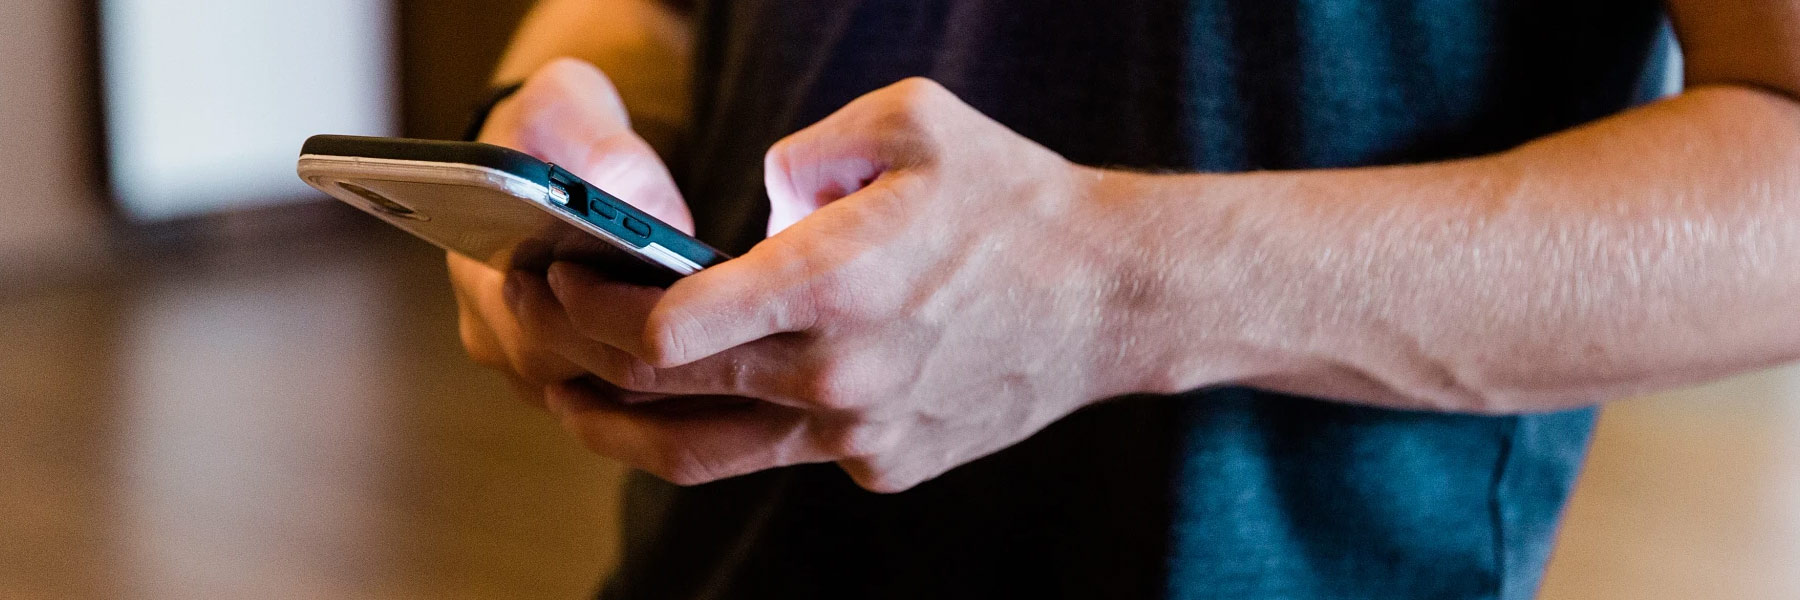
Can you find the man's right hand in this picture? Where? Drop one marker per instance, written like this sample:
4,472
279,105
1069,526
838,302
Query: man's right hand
567,113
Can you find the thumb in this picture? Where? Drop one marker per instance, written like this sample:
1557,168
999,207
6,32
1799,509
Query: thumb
625,166
817,166
845,152
570,114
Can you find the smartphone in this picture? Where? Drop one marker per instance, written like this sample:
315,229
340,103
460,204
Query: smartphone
501,207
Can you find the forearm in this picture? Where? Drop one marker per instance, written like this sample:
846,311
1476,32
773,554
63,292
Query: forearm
643,46
1653,249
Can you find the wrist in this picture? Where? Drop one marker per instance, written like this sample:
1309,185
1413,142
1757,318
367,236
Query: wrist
1195,298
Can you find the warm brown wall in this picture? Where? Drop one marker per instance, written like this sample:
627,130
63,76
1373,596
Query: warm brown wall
451,47
49,201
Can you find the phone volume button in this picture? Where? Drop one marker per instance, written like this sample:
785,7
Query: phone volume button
637,227
600,208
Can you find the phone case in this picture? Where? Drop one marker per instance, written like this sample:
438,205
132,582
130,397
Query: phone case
500,206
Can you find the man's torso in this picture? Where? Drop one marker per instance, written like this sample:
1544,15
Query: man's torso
1228,493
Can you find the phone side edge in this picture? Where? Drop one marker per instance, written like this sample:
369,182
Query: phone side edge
499,158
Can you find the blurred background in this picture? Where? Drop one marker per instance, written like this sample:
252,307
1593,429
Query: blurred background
214,383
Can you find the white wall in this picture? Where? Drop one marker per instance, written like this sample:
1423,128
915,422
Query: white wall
208,102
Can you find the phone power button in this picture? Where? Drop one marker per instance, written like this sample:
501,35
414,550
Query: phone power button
637,227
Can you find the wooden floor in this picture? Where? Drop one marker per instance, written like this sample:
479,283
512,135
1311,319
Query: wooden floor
299,423
1692,494
304,427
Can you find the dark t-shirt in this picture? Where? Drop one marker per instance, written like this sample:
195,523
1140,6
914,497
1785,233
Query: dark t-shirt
1228,493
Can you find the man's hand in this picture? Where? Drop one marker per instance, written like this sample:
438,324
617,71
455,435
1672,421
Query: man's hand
567,113
956,291
959,287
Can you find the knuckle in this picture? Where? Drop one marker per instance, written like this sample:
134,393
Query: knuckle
824,295
919,93
857,441
908,119
901,108
780,153
535,112
779,163
635,375
739,377
834,308
683,468
556,88
920,89
542,107
833,386
874,478
821,302
542,91
886,485
902,120
567,72
560,66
